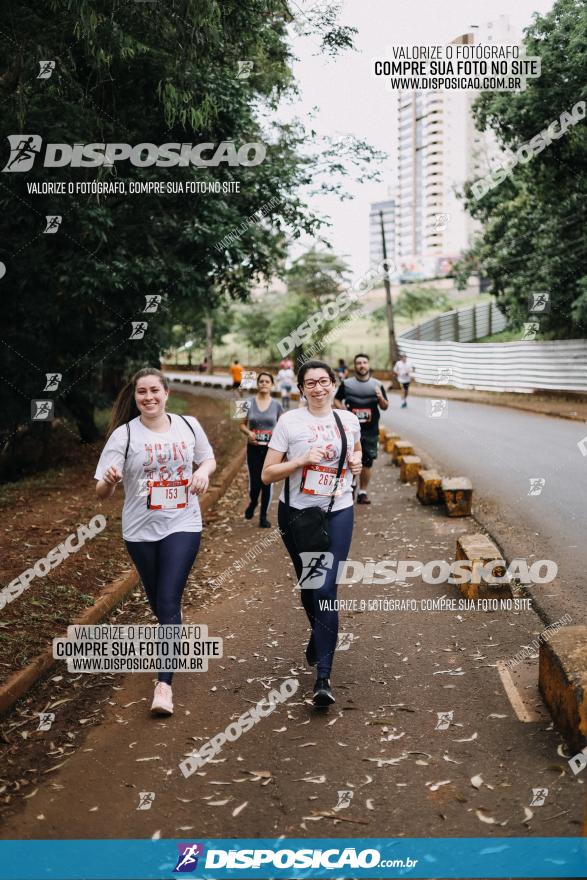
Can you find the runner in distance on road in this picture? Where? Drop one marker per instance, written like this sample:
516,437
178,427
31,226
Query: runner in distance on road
262,415
364,396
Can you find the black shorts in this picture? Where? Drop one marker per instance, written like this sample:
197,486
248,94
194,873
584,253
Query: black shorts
405,386
370,448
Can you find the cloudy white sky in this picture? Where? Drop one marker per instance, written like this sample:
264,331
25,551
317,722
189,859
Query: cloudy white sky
350,101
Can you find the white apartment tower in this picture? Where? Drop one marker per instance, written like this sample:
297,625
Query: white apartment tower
438,149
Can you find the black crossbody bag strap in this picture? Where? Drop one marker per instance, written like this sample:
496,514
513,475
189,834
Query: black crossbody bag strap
343,450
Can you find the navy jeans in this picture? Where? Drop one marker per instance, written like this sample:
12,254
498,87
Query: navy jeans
164,567
324,621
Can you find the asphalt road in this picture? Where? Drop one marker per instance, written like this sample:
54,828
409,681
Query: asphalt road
502,450
423,740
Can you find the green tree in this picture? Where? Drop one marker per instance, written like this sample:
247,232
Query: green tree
125,74
414,301
317,275
534,235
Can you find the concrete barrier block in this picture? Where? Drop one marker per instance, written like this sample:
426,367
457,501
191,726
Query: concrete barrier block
458,496
562,680
429,487
410,468
401,447
390,441
479,550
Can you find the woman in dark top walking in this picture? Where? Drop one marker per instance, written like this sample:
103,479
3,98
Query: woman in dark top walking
262,415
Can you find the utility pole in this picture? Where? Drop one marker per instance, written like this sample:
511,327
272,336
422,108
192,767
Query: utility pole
393,349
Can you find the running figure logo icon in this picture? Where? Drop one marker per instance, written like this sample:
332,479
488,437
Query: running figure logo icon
316,566
344,641
539,303
539,795
42,410
244,69
537,484
138,329
531,328
187,860
146,799
23,150
444,719
53,223
46,68
152,303
344,799
437,409
53,380
249,379
240,408
46,719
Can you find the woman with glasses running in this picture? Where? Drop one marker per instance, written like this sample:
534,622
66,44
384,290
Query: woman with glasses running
306,446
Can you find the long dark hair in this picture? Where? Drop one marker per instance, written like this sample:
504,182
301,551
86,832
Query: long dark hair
125,407
314,365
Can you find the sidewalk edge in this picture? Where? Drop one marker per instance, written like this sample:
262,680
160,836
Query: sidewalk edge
17,685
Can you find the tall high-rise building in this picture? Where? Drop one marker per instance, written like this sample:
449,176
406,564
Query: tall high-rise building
439,148
387,208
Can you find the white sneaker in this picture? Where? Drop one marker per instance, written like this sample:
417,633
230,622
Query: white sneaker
162,699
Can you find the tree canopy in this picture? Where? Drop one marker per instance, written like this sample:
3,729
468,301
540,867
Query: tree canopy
534,235
185,71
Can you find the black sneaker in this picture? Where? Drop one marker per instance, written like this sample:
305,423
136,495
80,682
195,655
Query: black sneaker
264,523
322,693
250,511
311,652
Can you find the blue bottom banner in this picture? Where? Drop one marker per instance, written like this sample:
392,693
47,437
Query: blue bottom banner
295,857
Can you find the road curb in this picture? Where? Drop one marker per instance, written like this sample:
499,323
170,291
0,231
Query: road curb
562,680
20,682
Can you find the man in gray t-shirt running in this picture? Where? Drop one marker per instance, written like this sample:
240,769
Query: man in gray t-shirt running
365,397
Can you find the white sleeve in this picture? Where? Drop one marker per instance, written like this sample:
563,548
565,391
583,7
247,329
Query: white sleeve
355,427
113,452
280,438
202,448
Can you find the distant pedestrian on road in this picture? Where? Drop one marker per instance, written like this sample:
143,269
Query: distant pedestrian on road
286,379
153,453
342,370
262,415
404,371
364,396
312,448
236,372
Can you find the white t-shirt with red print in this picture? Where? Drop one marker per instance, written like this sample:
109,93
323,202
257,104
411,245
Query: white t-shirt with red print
296,432
155,456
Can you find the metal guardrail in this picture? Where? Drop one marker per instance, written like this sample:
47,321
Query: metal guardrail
460,325
500,366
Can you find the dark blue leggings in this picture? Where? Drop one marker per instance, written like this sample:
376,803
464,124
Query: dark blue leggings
255,460
164,567
324,622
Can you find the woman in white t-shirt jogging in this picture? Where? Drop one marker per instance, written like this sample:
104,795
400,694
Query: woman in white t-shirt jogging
306,447
152,453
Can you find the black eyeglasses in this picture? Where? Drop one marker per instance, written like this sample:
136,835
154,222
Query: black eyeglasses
324,382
